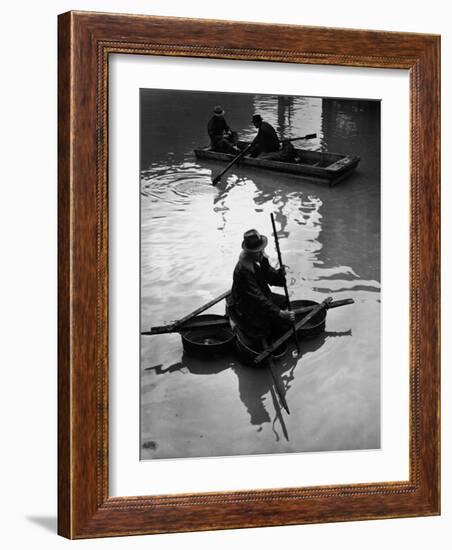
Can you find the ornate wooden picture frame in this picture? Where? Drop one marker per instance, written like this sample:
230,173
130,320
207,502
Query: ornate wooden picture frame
86,40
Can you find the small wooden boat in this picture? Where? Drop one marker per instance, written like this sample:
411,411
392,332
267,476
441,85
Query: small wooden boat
316,166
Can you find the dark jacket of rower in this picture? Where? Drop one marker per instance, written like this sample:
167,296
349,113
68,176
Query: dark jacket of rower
222,139
216,127
250,290
267,140
252,306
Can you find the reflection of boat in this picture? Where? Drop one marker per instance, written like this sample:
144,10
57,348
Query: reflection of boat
313,165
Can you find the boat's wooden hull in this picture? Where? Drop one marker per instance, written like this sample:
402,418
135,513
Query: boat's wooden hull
329,168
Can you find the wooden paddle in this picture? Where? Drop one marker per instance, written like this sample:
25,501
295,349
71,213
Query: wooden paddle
281,265
224,322
289,333
277,382
174,327
307,136
188,325
231,164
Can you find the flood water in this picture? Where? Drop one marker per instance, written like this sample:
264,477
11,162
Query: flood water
191,234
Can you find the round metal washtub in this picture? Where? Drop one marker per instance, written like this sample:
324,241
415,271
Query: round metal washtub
208,341
315,325
247,354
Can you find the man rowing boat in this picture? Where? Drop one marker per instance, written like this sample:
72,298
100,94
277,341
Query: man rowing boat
266,143
266,140
222,138
256,311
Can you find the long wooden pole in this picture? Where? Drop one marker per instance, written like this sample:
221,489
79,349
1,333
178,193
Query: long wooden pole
307,136
201,309
288,334
173,327
281,265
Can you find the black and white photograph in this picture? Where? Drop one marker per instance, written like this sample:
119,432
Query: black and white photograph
260,274
224,234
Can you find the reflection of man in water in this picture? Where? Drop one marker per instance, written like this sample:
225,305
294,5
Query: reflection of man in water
266,140
221,136
257,312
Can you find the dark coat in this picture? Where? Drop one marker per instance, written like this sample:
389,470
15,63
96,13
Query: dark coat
215,128
266,140
251,304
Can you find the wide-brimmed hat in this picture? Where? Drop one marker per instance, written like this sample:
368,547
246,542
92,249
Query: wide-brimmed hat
253,241
218,110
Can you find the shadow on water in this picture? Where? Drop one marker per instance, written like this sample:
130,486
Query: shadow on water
195,365
254,383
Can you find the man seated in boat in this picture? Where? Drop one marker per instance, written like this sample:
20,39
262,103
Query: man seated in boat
266,140
222,138
254,309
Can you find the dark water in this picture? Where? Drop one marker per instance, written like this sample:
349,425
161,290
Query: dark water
190,240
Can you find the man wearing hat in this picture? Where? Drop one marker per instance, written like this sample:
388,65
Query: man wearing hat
252,306
221,136
266,140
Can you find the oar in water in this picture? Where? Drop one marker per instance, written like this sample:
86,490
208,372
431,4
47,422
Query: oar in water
231,164
174,327
277,382
224,322
281,265
289,333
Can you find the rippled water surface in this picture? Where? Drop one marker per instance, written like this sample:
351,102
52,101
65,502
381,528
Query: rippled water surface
190,241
